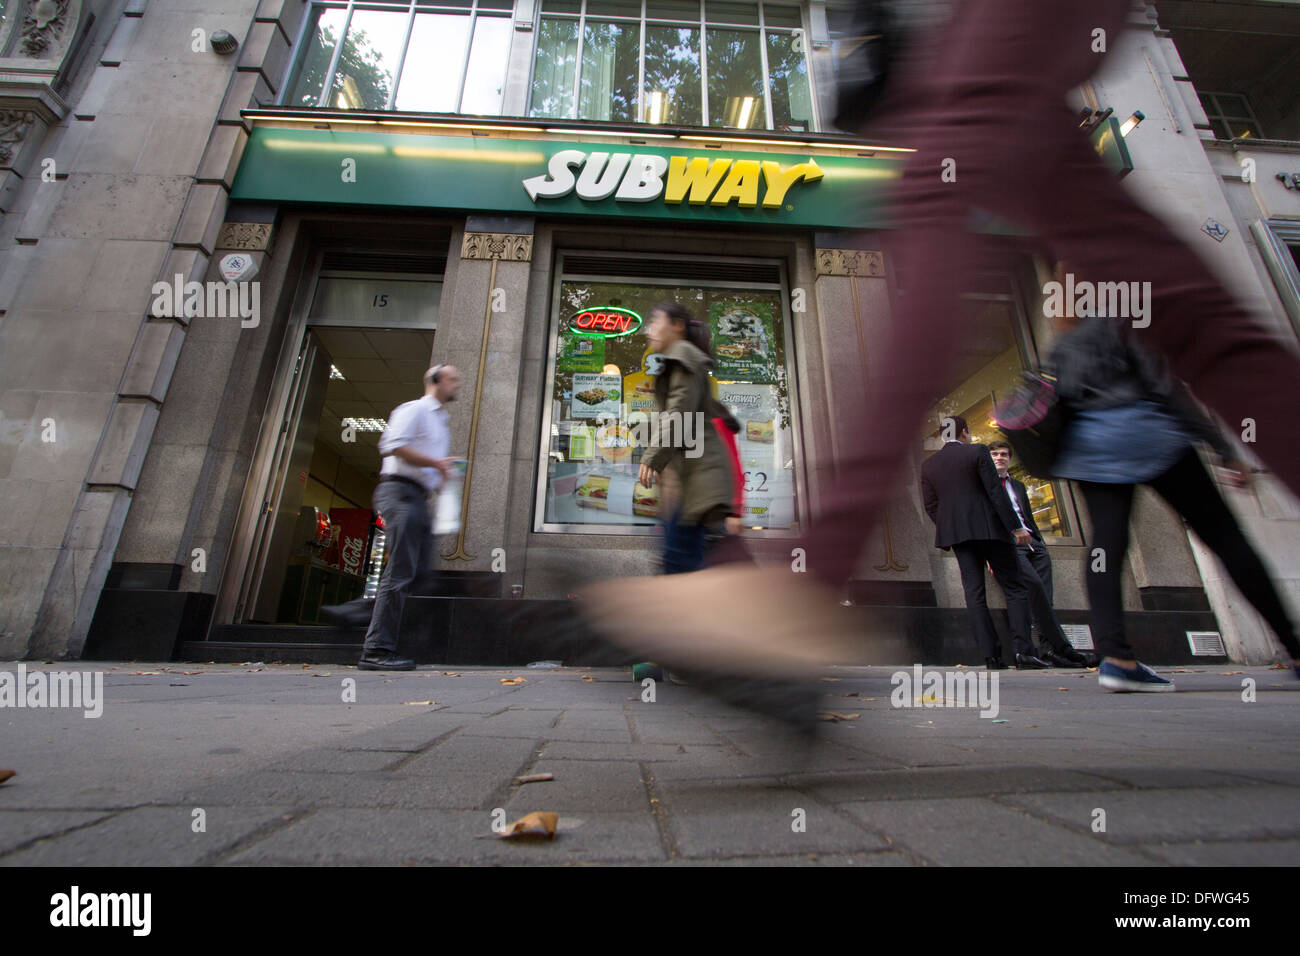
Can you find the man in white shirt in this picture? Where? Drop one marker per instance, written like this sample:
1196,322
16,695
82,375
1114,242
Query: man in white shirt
415,446
1035,568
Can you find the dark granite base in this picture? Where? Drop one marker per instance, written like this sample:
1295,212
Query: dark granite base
506,633
133,624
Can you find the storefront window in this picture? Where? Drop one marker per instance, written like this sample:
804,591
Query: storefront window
434,57
991,363
756,77
602,394
609,71
672,76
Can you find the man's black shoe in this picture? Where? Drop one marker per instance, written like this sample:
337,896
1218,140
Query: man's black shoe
1090,659
345,615
1061,658
995,664
385,662
1030,662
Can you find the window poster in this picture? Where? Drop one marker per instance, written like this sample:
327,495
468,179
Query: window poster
743,342
764,444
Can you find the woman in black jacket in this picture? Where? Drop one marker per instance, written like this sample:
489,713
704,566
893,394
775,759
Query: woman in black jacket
1132,423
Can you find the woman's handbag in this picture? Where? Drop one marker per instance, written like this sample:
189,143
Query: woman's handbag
1033,419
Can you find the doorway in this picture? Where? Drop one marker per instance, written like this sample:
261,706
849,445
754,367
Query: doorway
358,351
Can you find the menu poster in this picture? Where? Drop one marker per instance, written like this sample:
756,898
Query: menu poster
597,396
763,446
743,341
581,353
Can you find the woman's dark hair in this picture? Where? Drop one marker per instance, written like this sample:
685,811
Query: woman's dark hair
696,332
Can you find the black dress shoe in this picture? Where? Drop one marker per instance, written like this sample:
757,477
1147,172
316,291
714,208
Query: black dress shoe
1056,658
1090,659
1030,662
995,663
385,662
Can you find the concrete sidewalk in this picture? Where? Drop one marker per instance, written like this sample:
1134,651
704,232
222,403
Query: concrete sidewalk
281,770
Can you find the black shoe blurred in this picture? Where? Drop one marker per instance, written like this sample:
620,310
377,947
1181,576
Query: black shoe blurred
793,703
1056,658
352,614
1030,662
995,663
380,661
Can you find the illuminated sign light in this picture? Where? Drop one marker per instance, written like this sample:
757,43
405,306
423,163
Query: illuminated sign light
645,178
606,322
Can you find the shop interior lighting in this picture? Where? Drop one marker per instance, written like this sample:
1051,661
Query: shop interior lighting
656,108
740,111
366,424
1131,123
336,375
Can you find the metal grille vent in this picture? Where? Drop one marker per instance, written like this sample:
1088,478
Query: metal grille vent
685,270
1206,644
339,260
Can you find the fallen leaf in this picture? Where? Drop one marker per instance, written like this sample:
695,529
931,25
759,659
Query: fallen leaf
1062,688
450,674
146,674
305,666
513,680
536,824
534,777
420,703
1229,673
835,716
853,693
831,680
589,679
1279,667
1031,725
6,774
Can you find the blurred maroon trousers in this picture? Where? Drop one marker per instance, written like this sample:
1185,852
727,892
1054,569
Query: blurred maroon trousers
992,98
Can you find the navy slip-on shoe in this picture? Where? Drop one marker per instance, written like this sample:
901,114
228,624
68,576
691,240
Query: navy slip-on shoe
1141,679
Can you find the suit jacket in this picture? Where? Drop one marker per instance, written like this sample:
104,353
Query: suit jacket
964,497
1022,496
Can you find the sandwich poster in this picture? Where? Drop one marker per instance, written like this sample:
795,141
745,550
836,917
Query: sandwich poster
743,341
596,396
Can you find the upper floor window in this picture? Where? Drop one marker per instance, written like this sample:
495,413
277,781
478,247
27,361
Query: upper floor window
435,57
679,62
1230,116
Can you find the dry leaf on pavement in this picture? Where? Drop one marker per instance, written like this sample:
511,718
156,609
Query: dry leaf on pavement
420,703
834,716
6,774
513,680
537,824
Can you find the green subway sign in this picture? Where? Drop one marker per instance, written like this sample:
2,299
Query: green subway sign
553,178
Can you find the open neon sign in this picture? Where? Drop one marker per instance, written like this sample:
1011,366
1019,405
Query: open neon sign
606,322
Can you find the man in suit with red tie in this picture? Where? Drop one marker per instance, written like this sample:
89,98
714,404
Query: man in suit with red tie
1035,567
973,516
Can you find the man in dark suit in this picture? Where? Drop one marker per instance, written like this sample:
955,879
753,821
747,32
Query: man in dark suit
973,516
1035,567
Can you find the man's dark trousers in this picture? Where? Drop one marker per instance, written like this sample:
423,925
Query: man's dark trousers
408,539
1002,559
1036,571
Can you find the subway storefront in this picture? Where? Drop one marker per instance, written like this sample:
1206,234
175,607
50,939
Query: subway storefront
531,258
